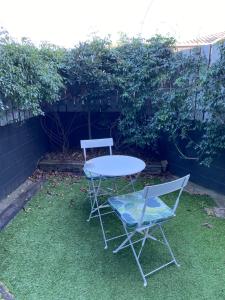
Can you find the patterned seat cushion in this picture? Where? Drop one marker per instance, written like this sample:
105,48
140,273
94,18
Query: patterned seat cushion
129,209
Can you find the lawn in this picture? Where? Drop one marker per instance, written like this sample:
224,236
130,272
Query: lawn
50,252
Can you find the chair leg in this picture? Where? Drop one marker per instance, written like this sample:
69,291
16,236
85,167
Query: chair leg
168,246
135,255
90,193
128,242
92,209
132,183
91,197
101,223
134,179
122,245
115,189
143,242
93,194
95,207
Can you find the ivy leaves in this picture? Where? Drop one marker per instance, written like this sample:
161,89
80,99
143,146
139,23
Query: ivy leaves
89,73
143,66
29,75
173,95
161,93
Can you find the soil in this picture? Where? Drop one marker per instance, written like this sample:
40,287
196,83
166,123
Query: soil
40,174
77,155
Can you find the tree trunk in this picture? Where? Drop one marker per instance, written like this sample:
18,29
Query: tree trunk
89,125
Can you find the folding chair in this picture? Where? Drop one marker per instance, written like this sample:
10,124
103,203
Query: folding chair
97,143
95,180
91,177
142,213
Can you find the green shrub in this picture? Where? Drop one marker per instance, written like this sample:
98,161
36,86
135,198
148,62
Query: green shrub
161,93
29,75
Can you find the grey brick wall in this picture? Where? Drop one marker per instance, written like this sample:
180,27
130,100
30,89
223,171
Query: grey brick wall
21,146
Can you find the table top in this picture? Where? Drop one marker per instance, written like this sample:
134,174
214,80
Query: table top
114,165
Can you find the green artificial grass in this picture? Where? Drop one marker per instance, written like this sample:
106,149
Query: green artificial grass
50,252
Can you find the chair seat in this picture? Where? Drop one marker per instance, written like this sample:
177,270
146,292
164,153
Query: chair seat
129,209
93,176
90,175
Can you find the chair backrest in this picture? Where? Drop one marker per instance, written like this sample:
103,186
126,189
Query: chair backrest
96,143
163,189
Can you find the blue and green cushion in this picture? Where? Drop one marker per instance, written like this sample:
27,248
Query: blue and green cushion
129,209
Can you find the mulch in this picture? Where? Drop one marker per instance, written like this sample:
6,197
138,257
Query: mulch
77,155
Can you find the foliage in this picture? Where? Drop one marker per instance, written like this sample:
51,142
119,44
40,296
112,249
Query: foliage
143,67
29,75
161,93
213,139
89,73
195,107
179,103
173,95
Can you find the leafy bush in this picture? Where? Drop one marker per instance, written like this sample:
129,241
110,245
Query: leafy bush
143,68
174,95
89,75
161,93
213,138
29,75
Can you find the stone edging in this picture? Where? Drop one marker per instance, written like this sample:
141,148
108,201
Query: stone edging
77,167
20,201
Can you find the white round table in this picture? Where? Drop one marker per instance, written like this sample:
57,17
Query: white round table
110,166
114,165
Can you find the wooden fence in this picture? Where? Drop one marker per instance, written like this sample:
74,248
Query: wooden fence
211,52
12,114
76,105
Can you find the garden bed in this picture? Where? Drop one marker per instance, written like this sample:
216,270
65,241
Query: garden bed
73,162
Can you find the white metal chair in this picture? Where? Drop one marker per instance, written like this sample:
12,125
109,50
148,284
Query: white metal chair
94,182
142,213
96,143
